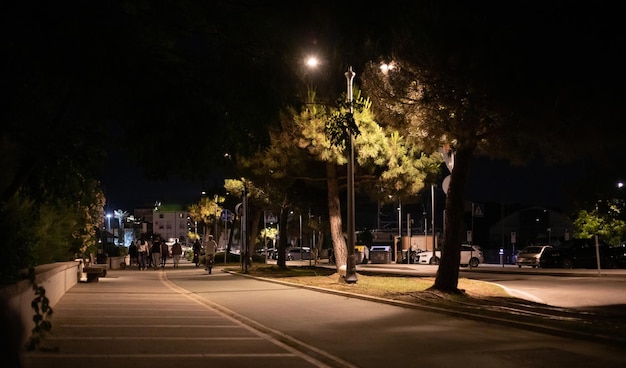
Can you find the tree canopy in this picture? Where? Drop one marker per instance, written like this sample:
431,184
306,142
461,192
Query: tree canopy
478,79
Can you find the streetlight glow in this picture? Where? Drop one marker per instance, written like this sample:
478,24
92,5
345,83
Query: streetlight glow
312,62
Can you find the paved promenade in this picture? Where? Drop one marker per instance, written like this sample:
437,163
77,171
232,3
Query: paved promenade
186,318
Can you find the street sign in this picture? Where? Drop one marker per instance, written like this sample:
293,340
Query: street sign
226,215
479,210
445,184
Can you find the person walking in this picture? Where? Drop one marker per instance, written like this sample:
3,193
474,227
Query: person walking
132,252
165,252
142,253
196,252
155,252
211,249
177,251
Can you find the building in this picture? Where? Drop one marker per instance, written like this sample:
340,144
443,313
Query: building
171,224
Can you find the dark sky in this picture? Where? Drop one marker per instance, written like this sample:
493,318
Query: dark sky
126,188
535,184
490,181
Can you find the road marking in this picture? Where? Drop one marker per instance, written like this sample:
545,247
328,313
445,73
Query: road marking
521,294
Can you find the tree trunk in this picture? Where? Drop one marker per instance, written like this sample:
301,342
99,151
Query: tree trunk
334,216
447,279
231,235
253,233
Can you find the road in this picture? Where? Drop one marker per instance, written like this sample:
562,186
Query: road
362,333
570,291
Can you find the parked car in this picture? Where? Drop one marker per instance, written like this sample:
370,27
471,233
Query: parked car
578,253
298,253
471,255
530,255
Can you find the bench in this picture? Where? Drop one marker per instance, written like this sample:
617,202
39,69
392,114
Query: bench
94,273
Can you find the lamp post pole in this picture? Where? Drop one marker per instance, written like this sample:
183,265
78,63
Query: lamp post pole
217,218
300,236
351,262
108,232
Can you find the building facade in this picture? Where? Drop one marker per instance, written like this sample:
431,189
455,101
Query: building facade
171,225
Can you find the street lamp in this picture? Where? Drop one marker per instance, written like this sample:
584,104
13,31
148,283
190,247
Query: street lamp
106,241
351,277
109,222
216,219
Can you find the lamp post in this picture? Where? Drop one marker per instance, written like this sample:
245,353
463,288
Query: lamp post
432,213
217,217
397,247
300,236
106,241
351,262
109,224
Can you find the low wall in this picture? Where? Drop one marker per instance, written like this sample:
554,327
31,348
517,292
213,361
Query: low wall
55,278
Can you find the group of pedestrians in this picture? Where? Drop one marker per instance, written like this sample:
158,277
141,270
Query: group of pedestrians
154,254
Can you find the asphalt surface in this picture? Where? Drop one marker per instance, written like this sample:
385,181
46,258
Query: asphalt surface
186,318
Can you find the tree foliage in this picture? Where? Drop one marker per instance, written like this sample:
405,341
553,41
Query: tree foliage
206,213
303,151
476,79
606,221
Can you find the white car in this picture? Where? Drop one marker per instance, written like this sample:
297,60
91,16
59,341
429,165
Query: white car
298,253
530,255
471,255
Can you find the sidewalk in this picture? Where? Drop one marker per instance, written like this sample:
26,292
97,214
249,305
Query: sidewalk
133,318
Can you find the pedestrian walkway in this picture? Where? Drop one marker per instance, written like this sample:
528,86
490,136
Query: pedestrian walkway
135,318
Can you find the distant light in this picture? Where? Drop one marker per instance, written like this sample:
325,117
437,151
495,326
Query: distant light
620,184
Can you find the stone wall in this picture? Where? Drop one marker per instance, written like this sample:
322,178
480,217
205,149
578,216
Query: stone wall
56,278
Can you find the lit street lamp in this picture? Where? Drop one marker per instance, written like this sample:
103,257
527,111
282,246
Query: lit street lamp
351,262
108,231
109,222
350,226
